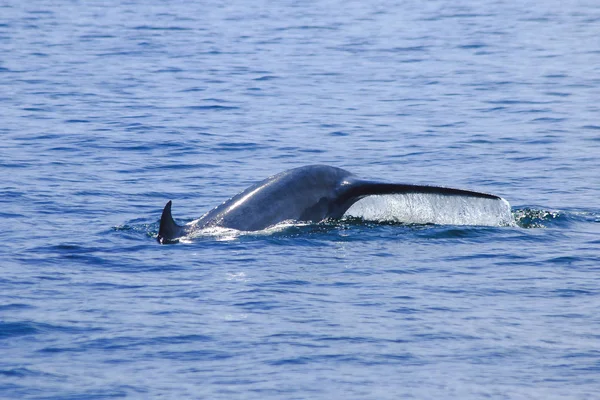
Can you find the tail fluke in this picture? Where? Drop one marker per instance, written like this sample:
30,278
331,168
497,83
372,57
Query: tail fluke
169,230
360,189
367,188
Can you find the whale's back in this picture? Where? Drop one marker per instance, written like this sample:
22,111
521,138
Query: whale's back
301,194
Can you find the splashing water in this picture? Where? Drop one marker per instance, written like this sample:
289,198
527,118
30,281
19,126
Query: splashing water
434,209
227,234
539,218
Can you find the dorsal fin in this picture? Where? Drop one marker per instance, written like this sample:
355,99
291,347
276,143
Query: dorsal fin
168,230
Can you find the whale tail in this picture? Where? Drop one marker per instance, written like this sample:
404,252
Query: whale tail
169,231
360,189
366,188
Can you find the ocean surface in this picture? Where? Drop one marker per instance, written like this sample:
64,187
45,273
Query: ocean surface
112,108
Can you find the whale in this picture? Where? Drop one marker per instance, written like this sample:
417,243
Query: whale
311,193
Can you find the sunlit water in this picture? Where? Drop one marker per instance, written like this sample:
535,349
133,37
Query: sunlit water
110,109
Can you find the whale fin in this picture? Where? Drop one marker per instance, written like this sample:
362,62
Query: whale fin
360,189
366,188
169,230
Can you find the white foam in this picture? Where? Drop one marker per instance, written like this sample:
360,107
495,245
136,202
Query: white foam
221,234
434,209
226,234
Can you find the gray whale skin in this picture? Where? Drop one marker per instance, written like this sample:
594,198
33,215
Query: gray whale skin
310,193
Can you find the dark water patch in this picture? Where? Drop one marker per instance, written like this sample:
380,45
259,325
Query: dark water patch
22,372
408,61
36,110
408,271
18,165
294,282
529,158
316,359
212,108
558,94
458,16
239,146
82,258
168,70
339,284
16,281
266,78
518,102
193,89
450,124
453,232
68,248
11,215
164,167
180,339
571,292
564,260
259,306
493,109
592,127
305,28
443,336
293,336
120,54
338,133
14,329
472,46
92,394
53,277
113,287
40,12
160,28
326,73
348,339
15,306
138,230
549,119
8,329
406,310
135,343
408,49
532,111
271,289
91,36
193,355
397,359
215,100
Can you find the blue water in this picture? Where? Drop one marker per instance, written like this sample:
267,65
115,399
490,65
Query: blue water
110,109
